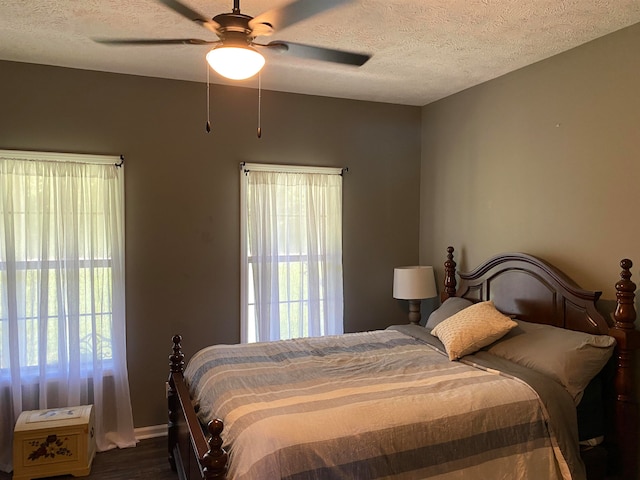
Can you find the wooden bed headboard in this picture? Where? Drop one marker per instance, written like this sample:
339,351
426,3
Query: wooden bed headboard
529,288
534,291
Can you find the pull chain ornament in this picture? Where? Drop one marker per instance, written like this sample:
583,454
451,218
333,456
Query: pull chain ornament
208,126
259,103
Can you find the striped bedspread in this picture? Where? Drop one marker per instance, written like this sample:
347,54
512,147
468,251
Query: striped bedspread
380,404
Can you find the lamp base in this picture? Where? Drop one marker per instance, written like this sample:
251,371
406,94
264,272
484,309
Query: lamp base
414,312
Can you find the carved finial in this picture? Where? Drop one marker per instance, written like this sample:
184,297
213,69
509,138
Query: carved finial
449,276
625,314
626,265
176,359
215,460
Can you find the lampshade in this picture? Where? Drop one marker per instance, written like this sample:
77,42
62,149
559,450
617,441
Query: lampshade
414,283
235,63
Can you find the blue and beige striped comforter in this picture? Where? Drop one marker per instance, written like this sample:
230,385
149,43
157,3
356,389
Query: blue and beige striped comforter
382,404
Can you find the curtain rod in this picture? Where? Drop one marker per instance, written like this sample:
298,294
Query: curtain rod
118,161
266,167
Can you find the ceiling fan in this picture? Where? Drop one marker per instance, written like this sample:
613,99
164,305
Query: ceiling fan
235,53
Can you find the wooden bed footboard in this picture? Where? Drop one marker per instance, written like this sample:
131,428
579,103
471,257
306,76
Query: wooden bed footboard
191,454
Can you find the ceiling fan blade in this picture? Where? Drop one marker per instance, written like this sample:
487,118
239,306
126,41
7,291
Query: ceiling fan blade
261,29
190,14
154,41
318,53
299,10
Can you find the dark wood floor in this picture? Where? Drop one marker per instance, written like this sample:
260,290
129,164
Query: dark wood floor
148,460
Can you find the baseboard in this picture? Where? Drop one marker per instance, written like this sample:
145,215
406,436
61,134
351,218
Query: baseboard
152,431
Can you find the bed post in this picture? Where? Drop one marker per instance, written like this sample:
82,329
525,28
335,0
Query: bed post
449,276
187,441
214,462
176,365
628,340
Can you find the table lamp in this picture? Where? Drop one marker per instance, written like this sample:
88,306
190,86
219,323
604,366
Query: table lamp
414,284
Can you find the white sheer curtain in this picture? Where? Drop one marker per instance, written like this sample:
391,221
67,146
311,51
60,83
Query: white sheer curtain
62,301
292,272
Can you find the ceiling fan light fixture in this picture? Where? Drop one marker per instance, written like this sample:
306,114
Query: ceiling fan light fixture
235,63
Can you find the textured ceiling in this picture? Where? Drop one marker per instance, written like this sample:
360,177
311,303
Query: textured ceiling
422,50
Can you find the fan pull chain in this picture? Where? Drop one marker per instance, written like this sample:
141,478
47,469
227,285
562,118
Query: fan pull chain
259,103
208,126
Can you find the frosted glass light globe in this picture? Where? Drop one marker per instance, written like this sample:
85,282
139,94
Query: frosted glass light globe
235,63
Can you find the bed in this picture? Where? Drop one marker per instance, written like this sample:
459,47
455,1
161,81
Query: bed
411,412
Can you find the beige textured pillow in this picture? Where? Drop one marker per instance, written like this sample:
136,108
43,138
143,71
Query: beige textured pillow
472,328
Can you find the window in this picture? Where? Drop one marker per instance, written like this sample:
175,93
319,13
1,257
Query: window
62,310
291,252
38,325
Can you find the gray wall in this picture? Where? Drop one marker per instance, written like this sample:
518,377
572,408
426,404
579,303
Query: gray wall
544,160
182,194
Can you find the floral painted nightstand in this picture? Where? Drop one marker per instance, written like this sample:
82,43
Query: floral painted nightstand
52,442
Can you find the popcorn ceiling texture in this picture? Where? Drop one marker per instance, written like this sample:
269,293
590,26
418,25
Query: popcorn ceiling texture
423,50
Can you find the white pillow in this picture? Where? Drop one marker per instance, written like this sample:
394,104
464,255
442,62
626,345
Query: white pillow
471,329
